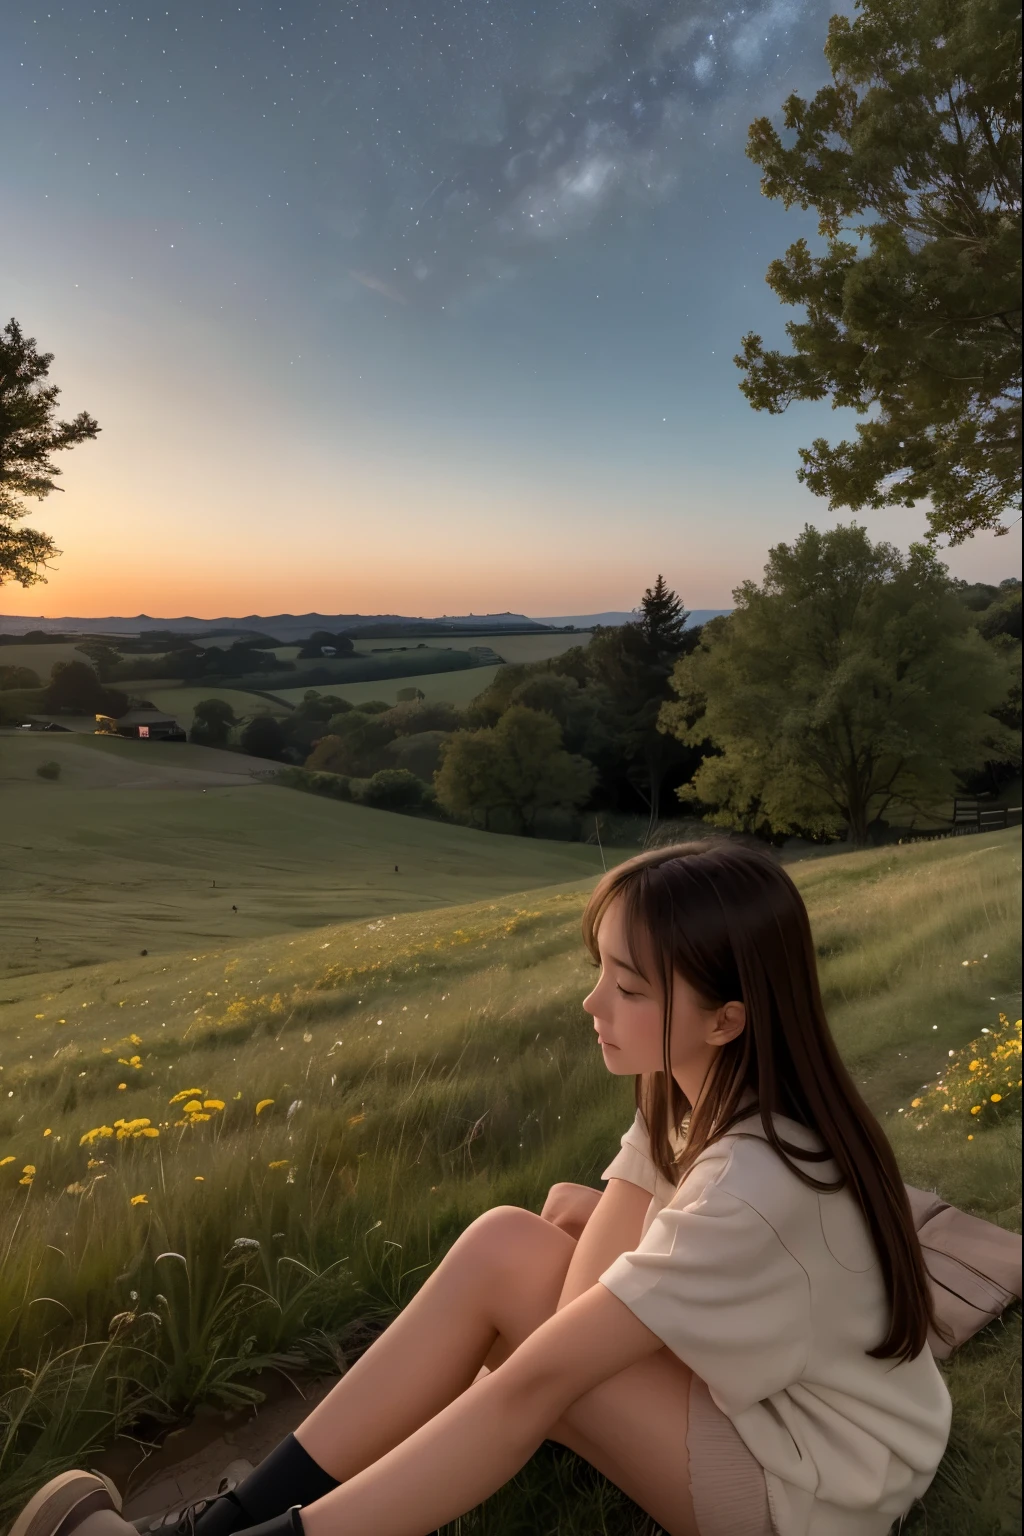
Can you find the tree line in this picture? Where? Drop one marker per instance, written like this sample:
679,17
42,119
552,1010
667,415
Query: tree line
851,687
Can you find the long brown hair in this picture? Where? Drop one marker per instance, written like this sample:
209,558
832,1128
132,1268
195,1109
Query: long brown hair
729,920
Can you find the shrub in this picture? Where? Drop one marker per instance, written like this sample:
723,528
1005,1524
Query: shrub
263,737
335,785
49,770
18,677
391,789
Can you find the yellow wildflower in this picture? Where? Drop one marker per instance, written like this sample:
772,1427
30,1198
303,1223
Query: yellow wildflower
122,1085
187,1093
262,1105
975,1109
98,1133
27,1180
134,1040
29,1168
193,1106
47,1132
281,1162
95,1162
916,1103
5,1160
213,1104
139,1200
995,1098
199,1179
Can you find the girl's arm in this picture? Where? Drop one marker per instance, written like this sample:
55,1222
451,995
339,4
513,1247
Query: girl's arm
471,1448
613,1228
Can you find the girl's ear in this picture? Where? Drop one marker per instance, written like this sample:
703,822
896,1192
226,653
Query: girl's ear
730,1021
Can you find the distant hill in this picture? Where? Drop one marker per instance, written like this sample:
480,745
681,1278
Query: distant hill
290,627
286,627
588,620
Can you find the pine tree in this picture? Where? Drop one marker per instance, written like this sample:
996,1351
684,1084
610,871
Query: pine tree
29,434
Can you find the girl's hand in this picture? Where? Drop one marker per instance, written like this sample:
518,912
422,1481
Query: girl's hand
570,1206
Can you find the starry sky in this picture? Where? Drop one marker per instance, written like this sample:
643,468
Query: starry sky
423,307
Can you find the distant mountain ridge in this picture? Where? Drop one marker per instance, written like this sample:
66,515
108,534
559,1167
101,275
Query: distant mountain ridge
588,620
289,627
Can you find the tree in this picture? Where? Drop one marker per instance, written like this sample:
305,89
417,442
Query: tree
518,765
920,133
212,720
263,737
321,637
18,677
633,664
29,435
849,682
393,789
75,689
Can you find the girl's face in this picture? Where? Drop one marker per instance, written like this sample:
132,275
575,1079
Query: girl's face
627,1013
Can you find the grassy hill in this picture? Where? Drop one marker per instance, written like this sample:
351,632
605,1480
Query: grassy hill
448,687
361,1091
151,845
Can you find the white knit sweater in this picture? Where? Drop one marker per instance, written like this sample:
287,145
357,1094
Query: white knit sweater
773,1294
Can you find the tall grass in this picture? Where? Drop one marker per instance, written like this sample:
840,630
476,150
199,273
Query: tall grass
332,1109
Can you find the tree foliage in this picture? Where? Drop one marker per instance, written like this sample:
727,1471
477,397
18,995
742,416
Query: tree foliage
75,689
264,737
632,664
30,435
518,765
849,682
919,320
212,720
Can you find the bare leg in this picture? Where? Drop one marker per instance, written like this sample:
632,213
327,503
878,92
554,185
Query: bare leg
500,1280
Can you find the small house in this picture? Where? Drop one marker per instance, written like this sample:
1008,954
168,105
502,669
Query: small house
142,725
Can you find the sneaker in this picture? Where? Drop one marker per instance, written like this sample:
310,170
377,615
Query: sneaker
82,1502
181,1519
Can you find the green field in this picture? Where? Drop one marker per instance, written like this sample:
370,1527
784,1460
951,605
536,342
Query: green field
450,687
40,658
512,648
122,852
422,1067
181,701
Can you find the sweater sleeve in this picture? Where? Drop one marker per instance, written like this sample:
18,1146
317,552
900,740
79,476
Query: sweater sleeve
712,1279
633,1160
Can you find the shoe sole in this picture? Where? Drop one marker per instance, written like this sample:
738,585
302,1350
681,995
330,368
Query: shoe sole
63,1503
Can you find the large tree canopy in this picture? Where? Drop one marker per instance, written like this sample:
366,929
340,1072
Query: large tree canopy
851,681
919,321
29,435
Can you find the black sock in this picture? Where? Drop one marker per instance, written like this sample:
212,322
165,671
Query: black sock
288,1476
288,1524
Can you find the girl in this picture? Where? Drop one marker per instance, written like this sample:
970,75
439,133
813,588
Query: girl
738,1337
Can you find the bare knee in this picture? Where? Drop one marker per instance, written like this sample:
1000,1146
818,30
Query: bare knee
508,1242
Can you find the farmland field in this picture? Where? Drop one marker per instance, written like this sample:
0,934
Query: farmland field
513,648
451,687
122,852
40,658
413,1070
180,701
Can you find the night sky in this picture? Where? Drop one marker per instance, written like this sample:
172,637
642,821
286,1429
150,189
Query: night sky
409,307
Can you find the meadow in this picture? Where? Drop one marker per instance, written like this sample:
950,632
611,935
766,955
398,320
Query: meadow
447,687
154,845
218,1163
